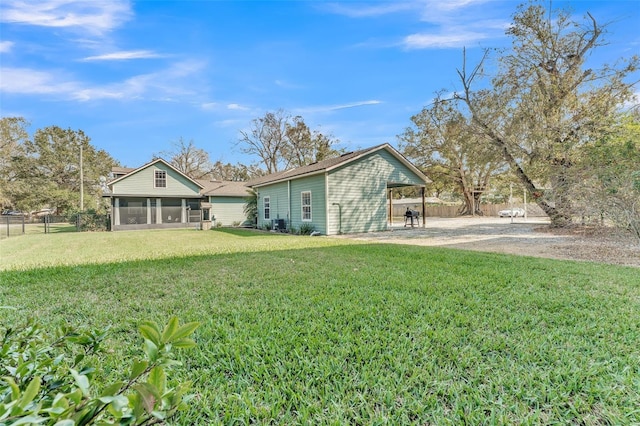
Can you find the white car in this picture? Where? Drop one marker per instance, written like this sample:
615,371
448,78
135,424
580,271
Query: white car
514,212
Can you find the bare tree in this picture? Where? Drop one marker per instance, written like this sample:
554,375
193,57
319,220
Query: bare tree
189,159
267,139
544,104
281,142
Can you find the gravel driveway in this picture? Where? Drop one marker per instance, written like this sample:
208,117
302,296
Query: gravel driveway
531,237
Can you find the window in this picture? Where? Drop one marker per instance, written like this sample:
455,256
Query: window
160,180
306,206
267,208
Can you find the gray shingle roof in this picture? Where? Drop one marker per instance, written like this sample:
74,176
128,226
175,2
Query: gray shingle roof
224,188
328,164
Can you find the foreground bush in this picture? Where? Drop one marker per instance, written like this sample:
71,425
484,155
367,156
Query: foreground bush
47,379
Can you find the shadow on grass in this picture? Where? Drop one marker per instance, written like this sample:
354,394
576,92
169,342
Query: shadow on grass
247,232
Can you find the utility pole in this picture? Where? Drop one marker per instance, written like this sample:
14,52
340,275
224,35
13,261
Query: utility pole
81,182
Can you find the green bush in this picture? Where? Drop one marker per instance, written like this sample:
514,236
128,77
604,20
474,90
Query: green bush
306,229
46,377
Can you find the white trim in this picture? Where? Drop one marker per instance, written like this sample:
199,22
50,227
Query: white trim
327,203
148,210
302,206
289,201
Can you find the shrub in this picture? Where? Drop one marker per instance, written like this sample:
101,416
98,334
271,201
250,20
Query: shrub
46,380
306,229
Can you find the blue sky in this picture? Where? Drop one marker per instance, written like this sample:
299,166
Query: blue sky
137,75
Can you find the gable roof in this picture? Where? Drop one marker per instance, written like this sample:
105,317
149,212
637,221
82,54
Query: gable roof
332,163
151,163
224,188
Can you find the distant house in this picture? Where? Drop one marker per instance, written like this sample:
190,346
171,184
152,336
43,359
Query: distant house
345,194
157,195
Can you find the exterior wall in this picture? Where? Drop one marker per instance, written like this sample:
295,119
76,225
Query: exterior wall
315,185
279,197
228,210
142,184
360,189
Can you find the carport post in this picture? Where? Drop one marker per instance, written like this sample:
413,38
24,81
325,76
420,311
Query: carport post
424,208
390,208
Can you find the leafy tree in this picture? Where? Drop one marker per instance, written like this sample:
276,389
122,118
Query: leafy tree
189,159
443,139
49,172
611,172
305,146
281,142
13,136
235,172
544,103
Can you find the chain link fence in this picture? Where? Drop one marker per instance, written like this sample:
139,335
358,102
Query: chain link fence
13,225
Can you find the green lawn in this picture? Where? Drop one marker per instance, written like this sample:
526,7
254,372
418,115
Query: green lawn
302,330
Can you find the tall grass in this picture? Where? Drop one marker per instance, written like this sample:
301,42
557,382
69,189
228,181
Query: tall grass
329,332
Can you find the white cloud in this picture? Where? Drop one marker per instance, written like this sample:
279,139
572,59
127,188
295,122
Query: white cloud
124,55
330,108
95,17
449,23
237,107
6,46
362,10
28,81
164,85
452,39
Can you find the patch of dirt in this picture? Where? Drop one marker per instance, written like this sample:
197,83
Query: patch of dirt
531,237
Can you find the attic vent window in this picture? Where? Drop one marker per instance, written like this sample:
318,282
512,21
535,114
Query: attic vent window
160,179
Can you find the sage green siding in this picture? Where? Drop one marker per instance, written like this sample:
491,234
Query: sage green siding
228,210
315,185
351,198
279,198
360,188
141,184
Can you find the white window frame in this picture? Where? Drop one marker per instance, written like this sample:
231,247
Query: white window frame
266,208
303,205
156,179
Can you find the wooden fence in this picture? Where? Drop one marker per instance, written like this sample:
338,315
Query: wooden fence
439,210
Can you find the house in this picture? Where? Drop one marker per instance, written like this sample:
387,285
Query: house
346,194
227,199
157,195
